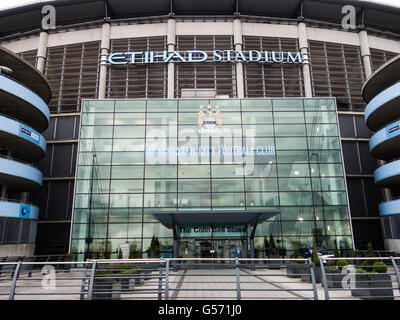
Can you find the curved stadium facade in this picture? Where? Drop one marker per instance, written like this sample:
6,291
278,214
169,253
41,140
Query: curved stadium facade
210,126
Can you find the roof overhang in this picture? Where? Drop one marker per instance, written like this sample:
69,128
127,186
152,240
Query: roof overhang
69,12
199,217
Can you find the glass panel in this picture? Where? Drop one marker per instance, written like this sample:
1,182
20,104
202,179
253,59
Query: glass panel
126,200
288,104
321,117
97,119
122,158
198,171
129,132
322,130
288,117
127,172
162,105
194,200
95,145
291,143
99,172
261,199
323,143
294,184
290,130
160,200
258,131
296,198
126,186
128,145
96,132
325,156
227,185
163,118
160,185
256,117
261,184
129,119
98,106
319,104
228,199
293,170
226,105
161,172
290,156
101,158
130,106
256,105
195,185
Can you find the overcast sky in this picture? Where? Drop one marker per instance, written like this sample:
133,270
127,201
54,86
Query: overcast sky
4,4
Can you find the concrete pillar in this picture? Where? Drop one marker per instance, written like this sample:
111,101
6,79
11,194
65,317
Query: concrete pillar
41,55
303,43
365,53
171,42
238,43
105,48
366,59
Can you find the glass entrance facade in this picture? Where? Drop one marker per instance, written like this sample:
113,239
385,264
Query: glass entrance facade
212,248
137,157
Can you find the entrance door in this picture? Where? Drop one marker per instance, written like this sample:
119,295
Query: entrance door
206,249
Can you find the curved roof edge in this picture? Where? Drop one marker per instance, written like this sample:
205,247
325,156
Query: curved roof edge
68,12
26,74
382,78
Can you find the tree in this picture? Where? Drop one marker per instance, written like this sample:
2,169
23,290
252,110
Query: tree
266,246
314,256
102,256
370,249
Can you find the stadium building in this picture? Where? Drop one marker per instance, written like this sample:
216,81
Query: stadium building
214,127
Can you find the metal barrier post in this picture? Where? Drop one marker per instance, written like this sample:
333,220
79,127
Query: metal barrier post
314,284
238,297
160,275
14,280
396,270
323,279
83,286
167,280
91,283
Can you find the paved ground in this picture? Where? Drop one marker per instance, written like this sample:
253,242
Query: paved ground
183,284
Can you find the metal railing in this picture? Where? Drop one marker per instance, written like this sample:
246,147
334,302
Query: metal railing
362,278
198,278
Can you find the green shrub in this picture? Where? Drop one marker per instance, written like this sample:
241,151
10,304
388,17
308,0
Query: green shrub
300,262
331,269
332,263
342,263
314,256
68,256
336,251
379,267
367,265
357,252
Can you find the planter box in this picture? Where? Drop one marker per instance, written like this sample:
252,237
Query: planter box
367,287
334,280
307,276
105,289
274,264
293,270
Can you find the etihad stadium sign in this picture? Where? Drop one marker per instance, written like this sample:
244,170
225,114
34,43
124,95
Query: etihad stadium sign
197,56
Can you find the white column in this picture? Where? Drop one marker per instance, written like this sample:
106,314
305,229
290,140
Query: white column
365,53
303,43
105,48
238,42
41,55
171,42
